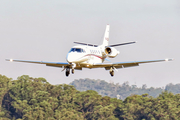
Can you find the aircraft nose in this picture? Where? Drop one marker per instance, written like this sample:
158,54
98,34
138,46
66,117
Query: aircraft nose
69,57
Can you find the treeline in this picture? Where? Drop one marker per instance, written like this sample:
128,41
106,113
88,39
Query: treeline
122,90
30,98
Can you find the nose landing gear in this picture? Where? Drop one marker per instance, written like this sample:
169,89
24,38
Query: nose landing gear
67,72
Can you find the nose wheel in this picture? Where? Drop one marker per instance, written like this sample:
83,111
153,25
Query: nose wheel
67,72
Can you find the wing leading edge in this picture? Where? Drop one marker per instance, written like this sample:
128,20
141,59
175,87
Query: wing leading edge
53,64
107,66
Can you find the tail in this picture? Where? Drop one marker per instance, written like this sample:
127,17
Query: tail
106,36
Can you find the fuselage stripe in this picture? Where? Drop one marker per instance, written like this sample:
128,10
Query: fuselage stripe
93,55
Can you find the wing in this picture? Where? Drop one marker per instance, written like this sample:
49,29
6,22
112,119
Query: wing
107,66
53,64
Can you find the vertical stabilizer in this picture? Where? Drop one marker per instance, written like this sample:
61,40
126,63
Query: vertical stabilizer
106,36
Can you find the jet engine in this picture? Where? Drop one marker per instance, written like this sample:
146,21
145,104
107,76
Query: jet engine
111,52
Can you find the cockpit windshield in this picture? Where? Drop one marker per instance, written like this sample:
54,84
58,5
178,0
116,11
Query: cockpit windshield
79,50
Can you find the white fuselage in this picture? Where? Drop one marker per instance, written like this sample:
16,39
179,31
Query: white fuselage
85,56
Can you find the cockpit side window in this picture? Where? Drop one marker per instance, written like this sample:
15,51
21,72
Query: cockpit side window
78,50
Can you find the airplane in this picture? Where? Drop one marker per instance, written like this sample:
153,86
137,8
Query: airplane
92,56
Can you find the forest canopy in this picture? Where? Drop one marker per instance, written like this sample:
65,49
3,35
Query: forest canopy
30,98
123,90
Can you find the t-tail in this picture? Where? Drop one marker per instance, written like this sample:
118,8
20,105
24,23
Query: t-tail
106,39
105,43
107,49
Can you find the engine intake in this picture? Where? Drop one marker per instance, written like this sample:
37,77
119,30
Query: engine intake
111,52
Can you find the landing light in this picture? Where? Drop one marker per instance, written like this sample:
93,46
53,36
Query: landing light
166,59
11,60
87,65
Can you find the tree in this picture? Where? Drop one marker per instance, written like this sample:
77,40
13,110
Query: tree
30,98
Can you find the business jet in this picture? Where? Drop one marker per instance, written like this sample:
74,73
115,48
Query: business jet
92,56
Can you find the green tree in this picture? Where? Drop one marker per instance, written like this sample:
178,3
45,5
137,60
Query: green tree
5,85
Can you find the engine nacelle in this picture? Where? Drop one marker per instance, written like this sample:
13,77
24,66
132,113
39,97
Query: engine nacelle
111,52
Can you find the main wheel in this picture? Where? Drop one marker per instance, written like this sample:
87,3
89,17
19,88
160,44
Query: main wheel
112,73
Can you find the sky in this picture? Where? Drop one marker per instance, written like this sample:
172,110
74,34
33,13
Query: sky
46,29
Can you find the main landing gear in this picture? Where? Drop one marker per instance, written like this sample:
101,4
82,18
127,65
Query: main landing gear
111,72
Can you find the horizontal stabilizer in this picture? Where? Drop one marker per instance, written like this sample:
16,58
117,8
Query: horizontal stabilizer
121,44
86,44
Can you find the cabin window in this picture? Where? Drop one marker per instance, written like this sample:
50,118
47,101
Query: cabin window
83,50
